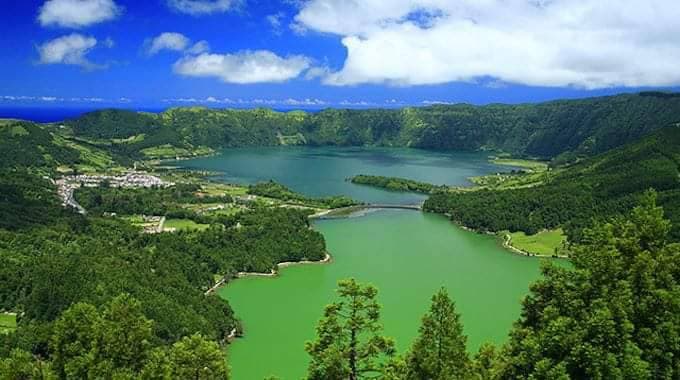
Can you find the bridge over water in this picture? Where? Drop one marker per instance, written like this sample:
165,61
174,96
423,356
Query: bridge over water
395,206
344,210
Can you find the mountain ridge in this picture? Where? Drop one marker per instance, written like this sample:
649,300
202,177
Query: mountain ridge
562,130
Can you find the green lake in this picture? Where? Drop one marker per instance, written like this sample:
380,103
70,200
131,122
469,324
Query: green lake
407,255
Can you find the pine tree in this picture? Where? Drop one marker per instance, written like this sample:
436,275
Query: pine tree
349,343
439,352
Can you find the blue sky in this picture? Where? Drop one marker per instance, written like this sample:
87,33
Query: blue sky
332,53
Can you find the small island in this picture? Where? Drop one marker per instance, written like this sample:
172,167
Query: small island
397,184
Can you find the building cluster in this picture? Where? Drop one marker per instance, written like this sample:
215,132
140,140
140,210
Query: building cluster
134,179
129,180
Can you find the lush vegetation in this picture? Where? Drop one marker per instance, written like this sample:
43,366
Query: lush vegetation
96,296
25,144
603,186
26,200
170,201
397,184
349,343
560,129
613,314
115,341
275,190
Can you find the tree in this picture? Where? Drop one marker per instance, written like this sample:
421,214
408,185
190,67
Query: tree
21,365
157,366
484,362
614,315
124,334
439,352
349,343
116,342
197,358
73,339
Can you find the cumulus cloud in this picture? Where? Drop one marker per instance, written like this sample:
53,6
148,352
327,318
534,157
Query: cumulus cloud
243,67
69,50
174,42
77,13
167,41
202,7
586,44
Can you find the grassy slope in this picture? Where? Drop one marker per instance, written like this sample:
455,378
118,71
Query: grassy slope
543,243
8,323
184,224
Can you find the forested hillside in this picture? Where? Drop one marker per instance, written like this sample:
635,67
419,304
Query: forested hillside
95,297
597,188
564,129
25,144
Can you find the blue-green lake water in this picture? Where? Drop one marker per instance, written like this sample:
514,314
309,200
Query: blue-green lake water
407,255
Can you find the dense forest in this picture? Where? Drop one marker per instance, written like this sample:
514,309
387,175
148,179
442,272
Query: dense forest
76,282
563,129
613,314
597,188
396,184
167,201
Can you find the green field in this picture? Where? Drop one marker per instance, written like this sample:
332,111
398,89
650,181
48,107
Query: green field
533,165
171,151
543,243
184,224
218,189
8,323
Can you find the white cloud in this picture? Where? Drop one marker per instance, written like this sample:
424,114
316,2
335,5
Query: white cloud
199,47
175,42
167,41
202,7
77,13
586,43
275,20
435,102
243,67
69,50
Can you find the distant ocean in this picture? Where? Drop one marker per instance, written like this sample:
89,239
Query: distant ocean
53,114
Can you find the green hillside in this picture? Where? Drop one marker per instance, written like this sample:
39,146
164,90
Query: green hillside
562,129
600,187
26,144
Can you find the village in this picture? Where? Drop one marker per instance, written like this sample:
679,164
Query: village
133,179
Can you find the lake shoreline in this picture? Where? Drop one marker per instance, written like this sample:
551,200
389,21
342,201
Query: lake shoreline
273,273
